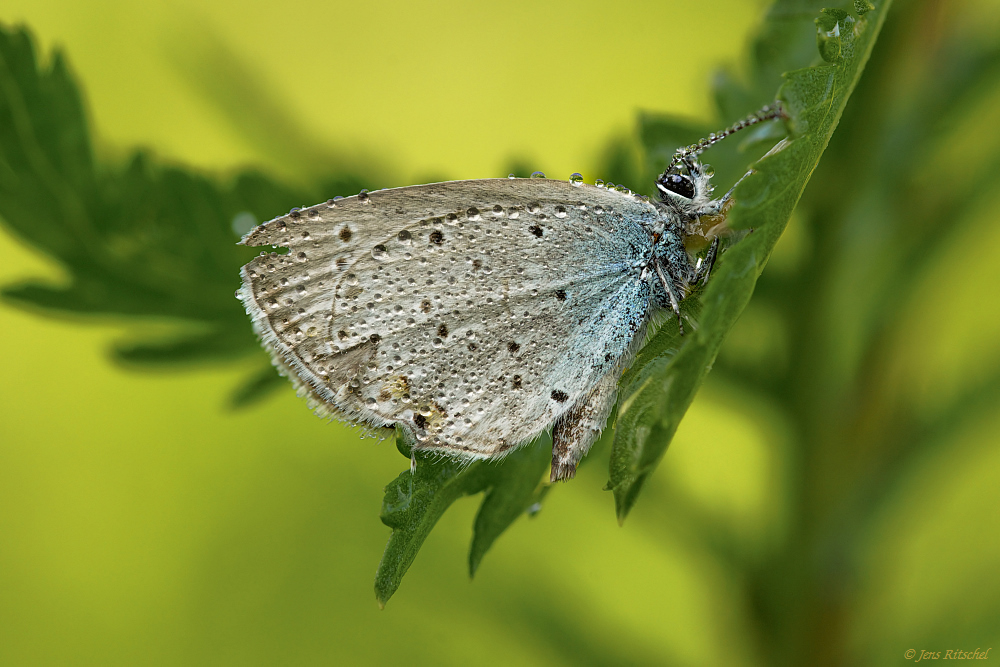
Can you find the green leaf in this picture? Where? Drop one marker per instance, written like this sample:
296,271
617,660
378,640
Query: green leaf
413,503
416,499
656,393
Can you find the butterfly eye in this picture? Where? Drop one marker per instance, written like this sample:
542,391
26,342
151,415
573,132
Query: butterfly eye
677,184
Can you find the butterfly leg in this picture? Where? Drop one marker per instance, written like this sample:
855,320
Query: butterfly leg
668,284
705,267
720,204
578,429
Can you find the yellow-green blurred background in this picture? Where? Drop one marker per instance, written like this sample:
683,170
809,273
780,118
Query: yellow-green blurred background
142,523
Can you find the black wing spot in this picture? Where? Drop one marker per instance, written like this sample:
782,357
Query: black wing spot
561,294
437,238
477,264
425,305
559,396
536,230
342,335
345,234
420,421
513,347
443,331
517,382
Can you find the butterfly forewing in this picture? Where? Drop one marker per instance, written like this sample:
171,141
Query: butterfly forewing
472,313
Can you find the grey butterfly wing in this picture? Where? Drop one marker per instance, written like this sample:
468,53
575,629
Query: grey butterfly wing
472,314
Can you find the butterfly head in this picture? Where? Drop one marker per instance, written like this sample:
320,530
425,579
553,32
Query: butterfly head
686,184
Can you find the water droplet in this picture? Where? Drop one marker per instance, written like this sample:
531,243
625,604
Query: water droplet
331,203
534,208
380,252
560,211
829,45
511,176
370,401
473,214
537,174
498,211
363,197
828,33
243,222
576,179
598,209
708,170
599,183
351,279
405,237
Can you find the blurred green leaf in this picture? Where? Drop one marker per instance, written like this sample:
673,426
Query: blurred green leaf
208,345
256,387
657,391
138,239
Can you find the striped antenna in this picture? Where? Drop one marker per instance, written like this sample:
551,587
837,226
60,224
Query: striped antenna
769,112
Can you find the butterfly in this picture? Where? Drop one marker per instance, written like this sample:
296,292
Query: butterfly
474,315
